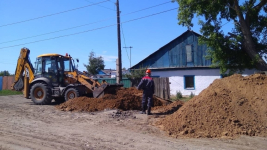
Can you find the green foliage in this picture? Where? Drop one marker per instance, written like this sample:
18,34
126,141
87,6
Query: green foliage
95,64
228,54
179,95
244,46
135,74
9,92
4,73
191,95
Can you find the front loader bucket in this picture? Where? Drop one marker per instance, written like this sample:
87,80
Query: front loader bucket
106,89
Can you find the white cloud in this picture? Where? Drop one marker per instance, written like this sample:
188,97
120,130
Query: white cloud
109,58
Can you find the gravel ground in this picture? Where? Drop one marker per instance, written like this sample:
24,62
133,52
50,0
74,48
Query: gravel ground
26,126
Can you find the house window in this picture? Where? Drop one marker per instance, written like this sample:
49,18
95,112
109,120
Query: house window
189,82
188,53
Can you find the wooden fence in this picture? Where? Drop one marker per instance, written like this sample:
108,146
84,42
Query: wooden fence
162,87
7,81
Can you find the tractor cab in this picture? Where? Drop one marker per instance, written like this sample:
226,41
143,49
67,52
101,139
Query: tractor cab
53,67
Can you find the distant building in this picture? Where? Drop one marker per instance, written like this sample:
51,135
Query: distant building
109,73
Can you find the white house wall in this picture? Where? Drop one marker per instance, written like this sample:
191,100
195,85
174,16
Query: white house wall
203,78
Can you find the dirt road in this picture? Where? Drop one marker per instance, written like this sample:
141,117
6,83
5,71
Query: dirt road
26,126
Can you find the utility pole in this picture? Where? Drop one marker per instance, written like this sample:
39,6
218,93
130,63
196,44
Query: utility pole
119,75
130,54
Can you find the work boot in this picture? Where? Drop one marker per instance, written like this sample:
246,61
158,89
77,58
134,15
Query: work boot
149,111
143,109
142,112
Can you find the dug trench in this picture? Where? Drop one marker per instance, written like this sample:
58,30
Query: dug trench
229,107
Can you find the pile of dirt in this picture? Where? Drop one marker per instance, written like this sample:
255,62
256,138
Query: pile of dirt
124,99
167,109
229,107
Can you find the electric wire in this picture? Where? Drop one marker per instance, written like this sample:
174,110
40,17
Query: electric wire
7,63
111,2
91,29
124,42
225,24
102,6
106,19
52,14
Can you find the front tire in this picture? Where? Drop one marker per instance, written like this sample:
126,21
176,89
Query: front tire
41,94
71,93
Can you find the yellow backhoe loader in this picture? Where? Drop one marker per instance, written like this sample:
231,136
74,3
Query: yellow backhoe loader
55,77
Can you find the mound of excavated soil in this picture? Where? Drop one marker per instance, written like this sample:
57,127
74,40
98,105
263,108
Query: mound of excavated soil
124,99
167,109
229,107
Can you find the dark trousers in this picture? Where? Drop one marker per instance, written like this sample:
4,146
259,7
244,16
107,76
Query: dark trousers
147,100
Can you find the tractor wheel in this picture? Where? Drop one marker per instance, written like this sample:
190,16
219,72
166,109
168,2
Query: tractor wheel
71,93
41,94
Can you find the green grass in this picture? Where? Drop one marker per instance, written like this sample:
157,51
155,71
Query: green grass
184,99
9,92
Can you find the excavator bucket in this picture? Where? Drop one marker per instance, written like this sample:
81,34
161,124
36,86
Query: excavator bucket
106,89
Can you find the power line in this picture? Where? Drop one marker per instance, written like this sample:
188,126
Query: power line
124,42
102,6
7,63
52,14
52,32
149,7
225,23
90,29
130,55
84,24
111,2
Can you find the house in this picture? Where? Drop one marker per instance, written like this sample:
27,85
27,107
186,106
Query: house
183,61
109,73
123,72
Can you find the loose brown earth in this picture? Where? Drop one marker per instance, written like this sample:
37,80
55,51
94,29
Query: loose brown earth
124,99
229,107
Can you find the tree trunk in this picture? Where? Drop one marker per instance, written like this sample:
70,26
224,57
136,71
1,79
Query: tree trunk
251,50
249,45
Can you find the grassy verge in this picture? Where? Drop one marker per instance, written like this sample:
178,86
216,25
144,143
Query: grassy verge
184,99
9,92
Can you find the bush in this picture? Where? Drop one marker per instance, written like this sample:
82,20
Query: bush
191,95
179,95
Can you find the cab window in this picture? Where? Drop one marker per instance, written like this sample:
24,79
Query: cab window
50,65
38,66
68,66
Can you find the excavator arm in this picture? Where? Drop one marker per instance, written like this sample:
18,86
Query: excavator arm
23,65
97,89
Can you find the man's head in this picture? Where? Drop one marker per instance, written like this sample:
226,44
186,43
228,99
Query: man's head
148,72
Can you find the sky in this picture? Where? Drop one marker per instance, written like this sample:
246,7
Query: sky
78,27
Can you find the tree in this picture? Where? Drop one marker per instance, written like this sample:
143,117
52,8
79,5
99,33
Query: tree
245,46
135,74
4,73
95,64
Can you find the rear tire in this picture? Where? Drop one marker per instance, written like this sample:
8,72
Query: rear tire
71,93
41,94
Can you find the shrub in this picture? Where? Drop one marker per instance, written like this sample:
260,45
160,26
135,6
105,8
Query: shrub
179,95
191,95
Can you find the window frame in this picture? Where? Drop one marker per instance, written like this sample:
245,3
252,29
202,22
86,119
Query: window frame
189,88
191,53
